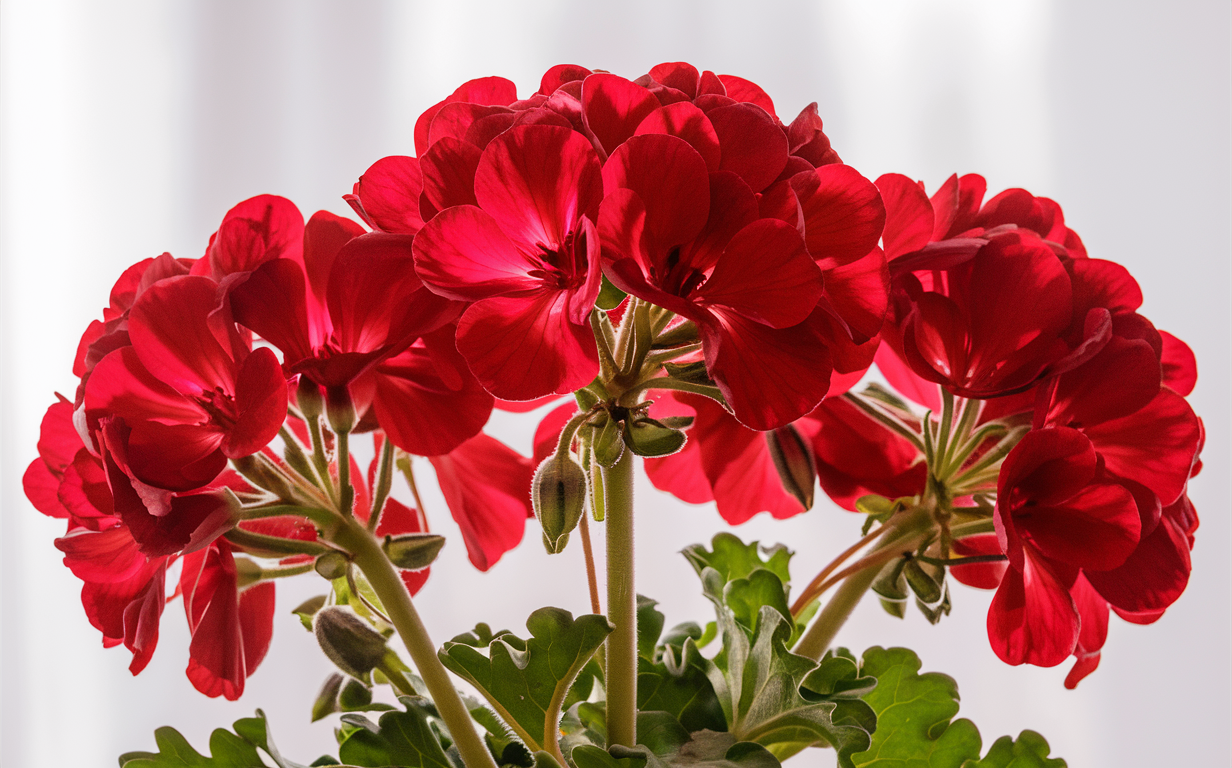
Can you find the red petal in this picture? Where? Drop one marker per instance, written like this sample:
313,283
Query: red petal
256,611
1122,379
179,337
1032,619
1096,528
260,402
525,347
107,556
455,120
753,146
770,377
855,456
211,600
485,90
463,254
42,489
487,487
58,441
560,75
684,120
743,90
272,302
537,181
1155,446
389,191
1179,364
1155,575
909,215
677,74
449,175
255,231
905,382
613,107
671,180
765,275
424,412
843,214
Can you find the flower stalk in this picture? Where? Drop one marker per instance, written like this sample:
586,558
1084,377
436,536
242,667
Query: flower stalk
621,658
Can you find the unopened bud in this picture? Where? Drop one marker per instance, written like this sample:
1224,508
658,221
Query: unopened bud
331,565
354,695
339,410
691,373
413,551
309,398
925,585
559,495
348,641
327,700
681,333
256,469
647,437
794,460
607,443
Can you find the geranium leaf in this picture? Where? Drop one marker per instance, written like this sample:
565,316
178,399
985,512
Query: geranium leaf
527,681
1029,751
677,684
734,559
915,726
401,738
227,749
703,749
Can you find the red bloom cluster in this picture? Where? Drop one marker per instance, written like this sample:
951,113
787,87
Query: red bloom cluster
684,188
172,387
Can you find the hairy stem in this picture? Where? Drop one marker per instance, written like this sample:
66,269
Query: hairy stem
367,554
621,675
816,640
592,579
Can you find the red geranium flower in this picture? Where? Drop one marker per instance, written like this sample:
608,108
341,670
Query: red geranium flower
527,257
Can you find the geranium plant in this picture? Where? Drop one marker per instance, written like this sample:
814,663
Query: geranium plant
701,287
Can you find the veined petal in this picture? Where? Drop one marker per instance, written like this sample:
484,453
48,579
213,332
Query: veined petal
487,487
746,91
537,181
1157,572
272,303
389,192
463,254
684,120
670,178
180,339
753,146
448,175
523,347
260,404
770,377
255,231
909,215
766,275
1155,446
1032,619
613,107
843,214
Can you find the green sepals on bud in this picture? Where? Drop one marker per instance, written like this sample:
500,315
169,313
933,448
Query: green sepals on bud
331,565
307,610
689,373
878,508
339,410
559,497
681,333
413,551
934,612
891,587
607,444
354,646
354,695
256,470
647,437
794,461
327,700
587,398
925,580
609,296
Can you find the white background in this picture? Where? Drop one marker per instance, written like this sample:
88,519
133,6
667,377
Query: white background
129,128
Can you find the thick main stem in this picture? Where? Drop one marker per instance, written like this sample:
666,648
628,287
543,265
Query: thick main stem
621,674
367,554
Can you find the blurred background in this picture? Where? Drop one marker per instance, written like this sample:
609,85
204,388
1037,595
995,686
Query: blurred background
129,128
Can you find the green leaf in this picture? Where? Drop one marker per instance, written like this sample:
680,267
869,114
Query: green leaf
759,682
677,684
649,627
527,681
227,749
734,559
1029,751
704,749
402,738
915,726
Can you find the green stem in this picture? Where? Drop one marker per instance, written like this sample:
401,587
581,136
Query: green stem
816,640
367,554
666,382
346,492
272,546
319,459
621,674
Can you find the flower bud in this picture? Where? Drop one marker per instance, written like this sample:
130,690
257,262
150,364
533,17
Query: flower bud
607,443
331,565
558,494
794,461
256,470
309,398
327,700
339,410
681,333
348,641
926,586
690,373
413,551
647,437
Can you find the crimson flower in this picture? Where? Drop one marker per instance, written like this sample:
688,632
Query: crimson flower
526,256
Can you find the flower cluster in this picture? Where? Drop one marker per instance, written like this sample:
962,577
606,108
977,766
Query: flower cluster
610,238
